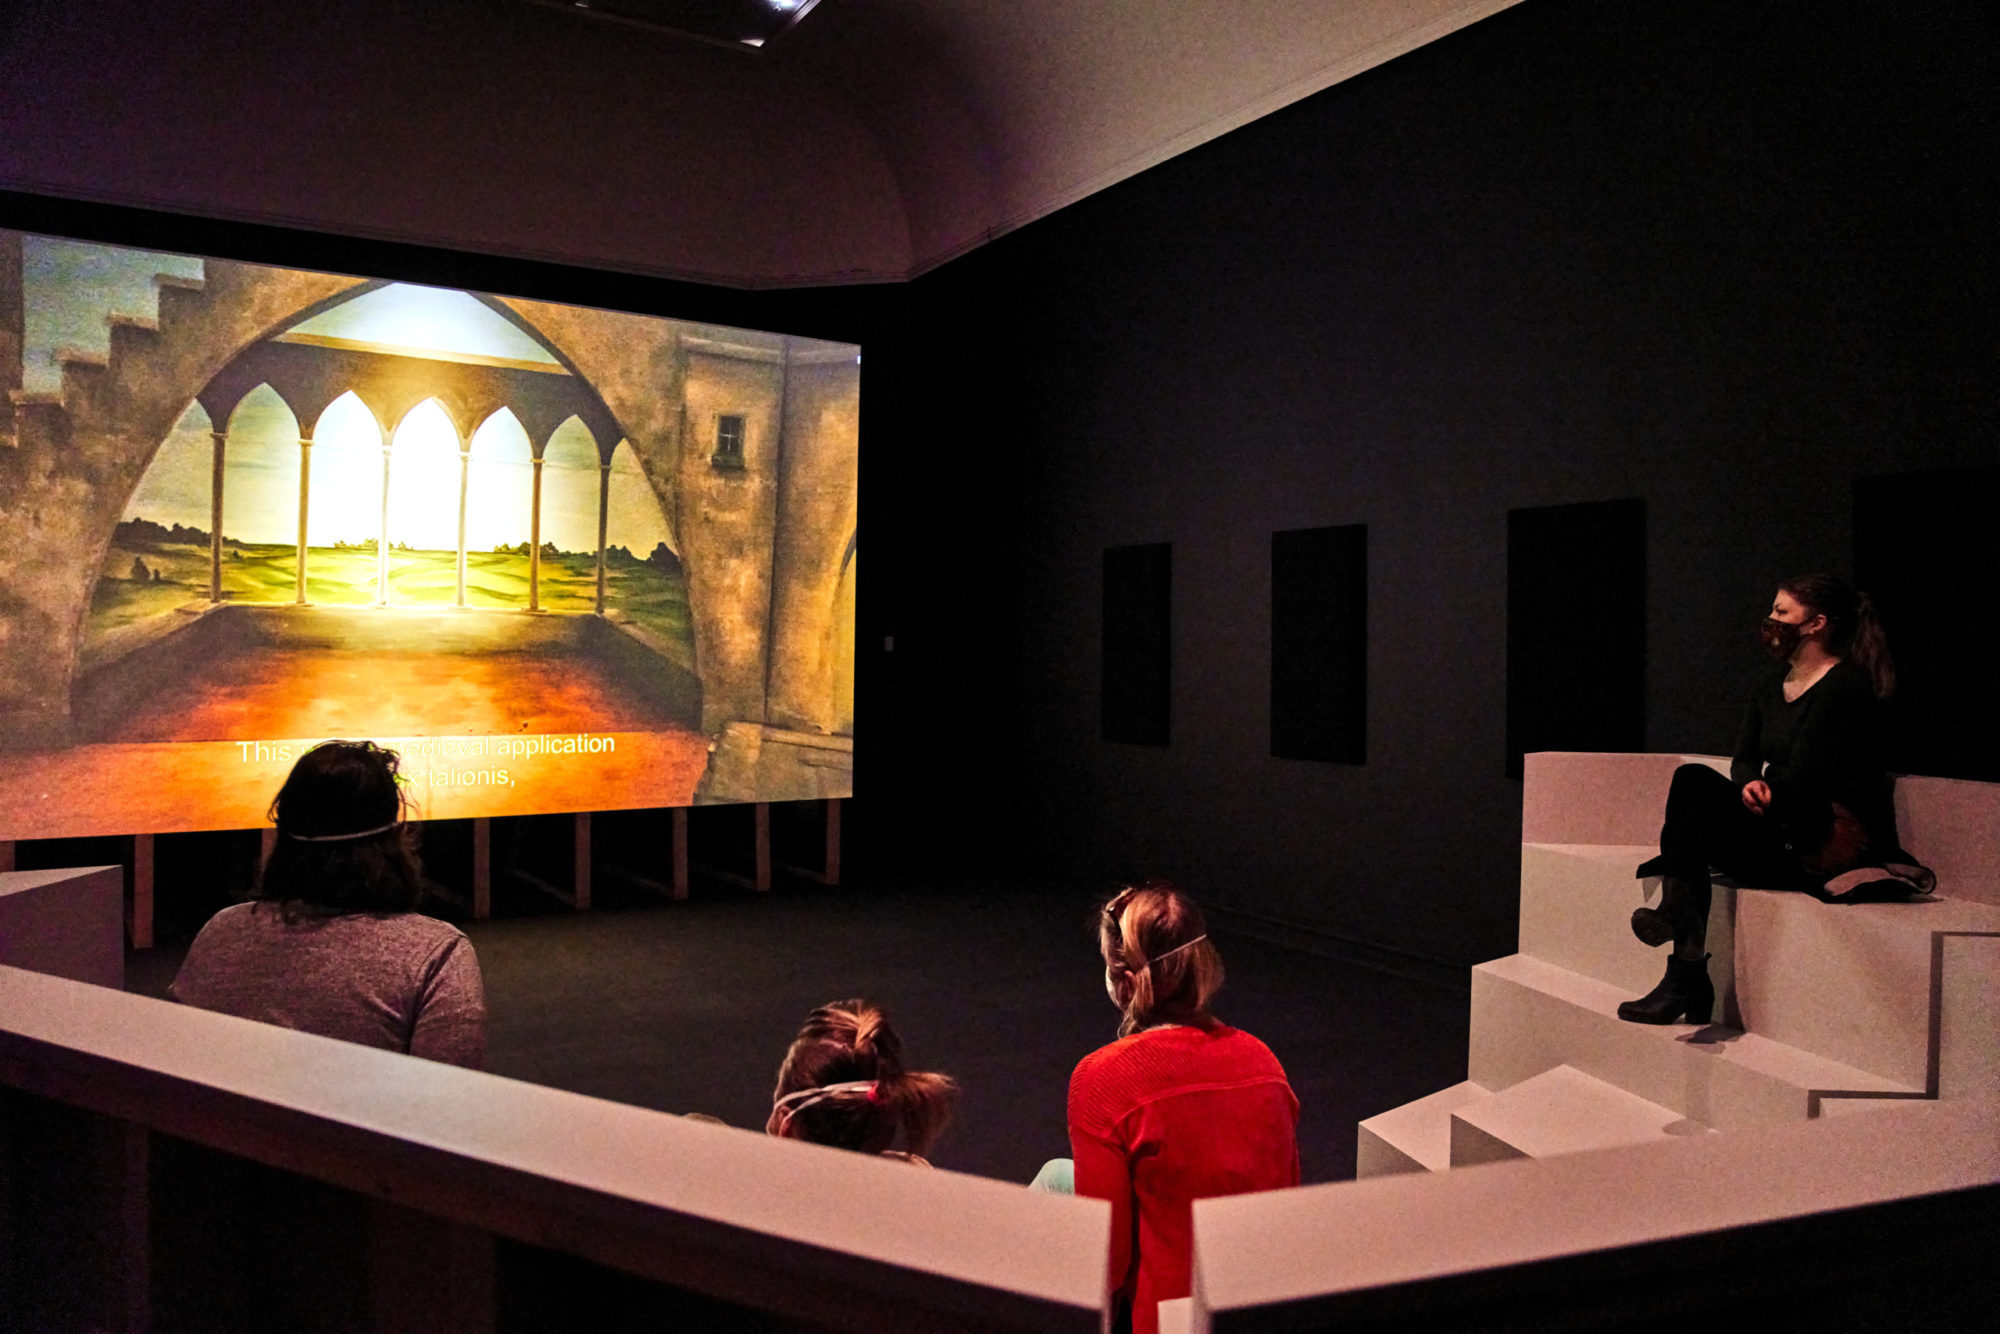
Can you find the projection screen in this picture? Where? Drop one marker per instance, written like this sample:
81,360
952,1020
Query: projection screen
561,558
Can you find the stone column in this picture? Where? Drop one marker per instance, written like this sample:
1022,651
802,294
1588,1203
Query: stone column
535,540
603,520
305,504
464,484
221,441
13,322
382,539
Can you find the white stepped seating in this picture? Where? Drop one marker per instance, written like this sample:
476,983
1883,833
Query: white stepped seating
1576,912
1821,1009
1857,983
1853,983
1529,1016
1415,1137
1558,1111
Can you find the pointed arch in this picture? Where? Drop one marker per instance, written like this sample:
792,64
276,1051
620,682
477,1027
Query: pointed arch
499,513
426,479
344,519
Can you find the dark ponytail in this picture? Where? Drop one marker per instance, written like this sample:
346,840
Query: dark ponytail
1853,631
852,1042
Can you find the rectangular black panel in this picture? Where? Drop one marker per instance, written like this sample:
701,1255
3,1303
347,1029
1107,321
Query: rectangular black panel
1138,592
1925,554
1319,644
1576,628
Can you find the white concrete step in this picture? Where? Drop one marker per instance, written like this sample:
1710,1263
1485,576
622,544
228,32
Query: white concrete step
1559,1111
1950,825
1969,1017
1529,1016
1859,984
1415,1137
1854,983
1576,913
1591,797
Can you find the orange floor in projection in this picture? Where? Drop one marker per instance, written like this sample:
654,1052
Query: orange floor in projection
178,765
264,693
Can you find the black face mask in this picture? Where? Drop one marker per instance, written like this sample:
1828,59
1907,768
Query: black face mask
1779,638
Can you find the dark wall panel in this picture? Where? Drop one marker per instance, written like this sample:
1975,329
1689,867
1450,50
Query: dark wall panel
1489,275
1925,553
1319,644
1135,689
1576,628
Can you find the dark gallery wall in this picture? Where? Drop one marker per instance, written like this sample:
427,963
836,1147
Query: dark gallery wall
1723,260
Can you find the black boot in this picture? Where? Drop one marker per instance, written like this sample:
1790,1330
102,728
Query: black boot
1683,908
1685,990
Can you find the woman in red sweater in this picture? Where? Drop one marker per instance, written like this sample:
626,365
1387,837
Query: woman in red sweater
1182,1107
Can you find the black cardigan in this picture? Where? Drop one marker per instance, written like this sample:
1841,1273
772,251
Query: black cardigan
1824,747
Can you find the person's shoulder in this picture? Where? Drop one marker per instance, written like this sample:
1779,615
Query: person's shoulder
238,919
1168,1054
1109,1057
1845,680
415,927
1250,1050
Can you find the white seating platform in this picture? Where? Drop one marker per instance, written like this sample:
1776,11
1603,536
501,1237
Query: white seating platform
1821,1009
1558,1111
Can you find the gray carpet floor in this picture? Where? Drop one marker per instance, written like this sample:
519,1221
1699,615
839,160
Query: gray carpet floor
689,1007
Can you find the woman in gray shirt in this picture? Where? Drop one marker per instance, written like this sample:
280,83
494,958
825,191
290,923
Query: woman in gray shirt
332,944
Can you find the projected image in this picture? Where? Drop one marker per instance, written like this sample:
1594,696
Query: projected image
563,558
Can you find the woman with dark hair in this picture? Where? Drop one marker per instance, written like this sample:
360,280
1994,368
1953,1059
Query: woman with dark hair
332,942
843,1084
1807,799
1180,1108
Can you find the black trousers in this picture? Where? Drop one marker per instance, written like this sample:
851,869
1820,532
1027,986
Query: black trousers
1708,825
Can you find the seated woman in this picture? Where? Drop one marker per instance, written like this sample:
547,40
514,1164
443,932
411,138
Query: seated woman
332,943
1180,1108
1807,797
843,1084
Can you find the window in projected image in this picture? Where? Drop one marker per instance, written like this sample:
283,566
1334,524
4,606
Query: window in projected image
498,534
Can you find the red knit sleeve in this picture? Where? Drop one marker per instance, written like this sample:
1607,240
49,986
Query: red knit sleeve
1102,1173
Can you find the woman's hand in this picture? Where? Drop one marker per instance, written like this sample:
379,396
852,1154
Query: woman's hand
1757,796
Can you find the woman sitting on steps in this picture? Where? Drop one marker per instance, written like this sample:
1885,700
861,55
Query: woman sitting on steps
1807,799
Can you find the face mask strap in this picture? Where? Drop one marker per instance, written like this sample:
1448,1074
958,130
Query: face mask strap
1168,954
794,1103
343,838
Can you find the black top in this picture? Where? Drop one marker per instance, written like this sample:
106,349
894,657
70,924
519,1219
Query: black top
1826,746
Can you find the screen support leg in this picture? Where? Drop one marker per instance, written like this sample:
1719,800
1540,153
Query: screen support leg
482,868
680,854
833,840
580,896
142,892
763,847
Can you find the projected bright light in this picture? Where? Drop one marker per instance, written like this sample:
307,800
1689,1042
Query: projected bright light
422,515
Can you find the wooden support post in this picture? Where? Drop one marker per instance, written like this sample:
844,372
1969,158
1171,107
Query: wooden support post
6,854
267,842
680,854
482,868
142,892
580,896
763,847
833,840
